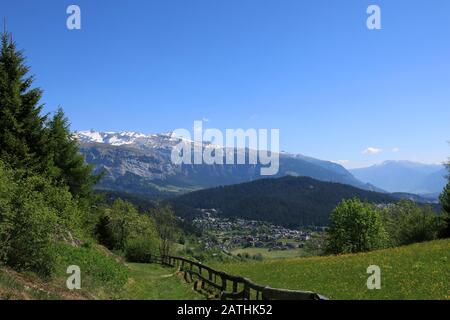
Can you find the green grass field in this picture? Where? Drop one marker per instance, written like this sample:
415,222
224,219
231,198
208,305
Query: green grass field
419,271
154,282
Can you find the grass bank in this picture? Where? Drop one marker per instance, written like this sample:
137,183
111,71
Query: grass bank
419,271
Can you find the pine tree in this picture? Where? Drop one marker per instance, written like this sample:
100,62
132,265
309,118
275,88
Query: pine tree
23,136
445,202
70,167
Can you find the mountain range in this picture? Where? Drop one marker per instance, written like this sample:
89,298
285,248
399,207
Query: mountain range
405,176
139,163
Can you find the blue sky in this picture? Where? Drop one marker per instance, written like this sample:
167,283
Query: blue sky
309,68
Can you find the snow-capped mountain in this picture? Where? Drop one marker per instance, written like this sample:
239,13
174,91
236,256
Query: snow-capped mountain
127,138
113,138
141,163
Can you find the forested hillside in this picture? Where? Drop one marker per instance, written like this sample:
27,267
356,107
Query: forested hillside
288,201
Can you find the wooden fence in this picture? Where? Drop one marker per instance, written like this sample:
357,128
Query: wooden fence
232,287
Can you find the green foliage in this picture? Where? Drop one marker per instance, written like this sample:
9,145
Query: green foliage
445,202
22,135
122,227
70,167
407,223
355,227
317,244
33,213
140,250
445,198
166,227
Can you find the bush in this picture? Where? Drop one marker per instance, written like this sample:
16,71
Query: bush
258,257
34,224
408,223
316,245
121,227
33,213
445,203
356,227
139,250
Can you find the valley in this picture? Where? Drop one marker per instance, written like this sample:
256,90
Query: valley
250,238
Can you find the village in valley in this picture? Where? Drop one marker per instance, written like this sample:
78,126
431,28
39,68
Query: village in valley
236,235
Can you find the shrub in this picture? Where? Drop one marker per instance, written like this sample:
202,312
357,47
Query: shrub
121,227
445,203
258,257
316,245
407,223
139,250
33,213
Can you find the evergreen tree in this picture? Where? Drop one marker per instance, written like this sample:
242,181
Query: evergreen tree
70,167
22,134
445,202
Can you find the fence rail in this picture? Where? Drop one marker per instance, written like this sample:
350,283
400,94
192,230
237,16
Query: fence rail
232,287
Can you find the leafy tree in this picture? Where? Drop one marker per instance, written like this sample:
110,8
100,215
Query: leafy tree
70,167
355,226
407,223
113,228
23,138
166,226
122,227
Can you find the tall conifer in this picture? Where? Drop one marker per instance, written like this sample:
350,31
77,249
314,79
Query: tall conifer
23,137
70,167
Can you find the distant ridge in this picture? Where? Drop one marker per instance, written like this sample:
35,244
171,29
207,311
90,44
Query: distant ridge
405,176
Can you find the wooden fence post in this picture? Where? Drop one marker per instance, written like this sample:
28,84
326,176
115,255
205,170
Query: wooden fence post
235,286
224,282
246,291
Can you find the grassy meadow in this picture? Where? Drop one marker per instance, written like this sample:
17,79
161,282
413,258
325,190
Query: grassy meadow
270,254
418,271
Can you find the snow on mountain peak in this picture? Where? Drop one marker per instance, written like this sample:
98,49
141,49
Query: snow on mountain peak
127,138
112,138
